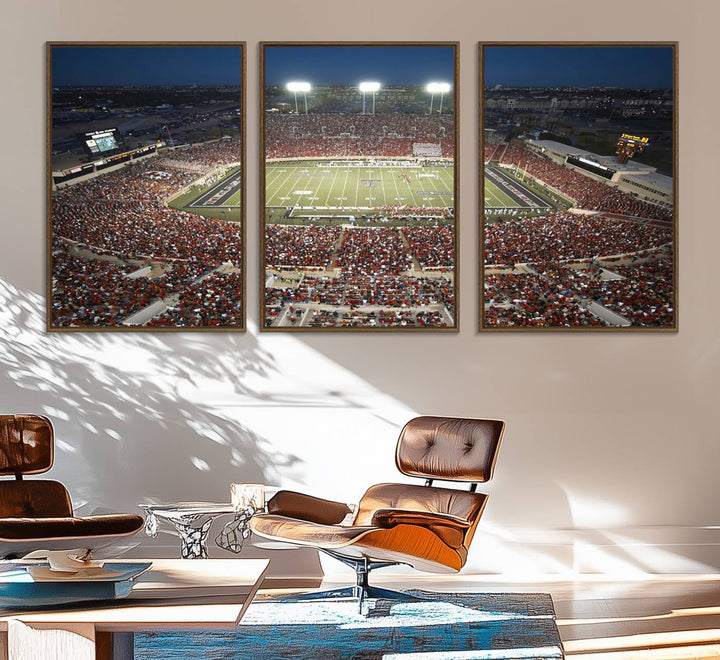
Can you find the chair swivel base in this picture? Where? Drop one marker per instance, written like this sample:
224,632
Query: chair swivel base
352,593
362,589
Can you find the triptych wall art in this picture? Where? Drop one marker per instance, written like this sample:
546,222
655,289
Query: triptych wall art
358,217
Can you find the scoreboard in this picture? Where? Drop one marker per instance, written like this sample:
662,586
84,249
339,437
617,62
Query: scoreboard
629,145
101,143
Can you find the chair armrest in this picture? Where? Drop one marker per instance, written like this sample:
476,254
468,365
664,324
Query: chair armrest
451,529
306,507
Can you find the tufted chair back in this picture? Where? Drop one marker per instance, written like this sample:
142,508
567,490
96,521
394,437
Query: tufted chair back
449,448
26,444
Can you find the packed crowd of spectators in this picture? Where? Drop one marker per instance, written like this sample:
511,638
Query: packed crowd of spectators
372,268
300,246
123,215
412,212
563,236
327,135
358,292
433,247
531,300
589,194
363,291
381,319
214,301
643,296
373,251
201,157
89,292
559,294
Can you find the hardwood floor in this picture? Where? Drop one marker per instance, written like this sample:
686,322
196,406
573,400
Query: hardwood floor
658,618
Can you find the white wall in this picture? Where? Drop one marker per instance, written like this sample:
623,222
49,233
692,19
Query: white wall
610,462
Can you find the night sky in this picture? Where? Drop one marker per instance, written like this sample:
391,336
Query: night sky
639,67
146,65
349,65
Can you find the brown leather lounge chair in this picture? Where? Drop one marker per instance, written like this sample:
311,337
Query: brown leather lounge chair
427,527
37,514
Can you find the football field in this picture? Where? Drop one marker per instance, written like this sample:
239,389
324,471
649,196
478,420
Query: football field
317,187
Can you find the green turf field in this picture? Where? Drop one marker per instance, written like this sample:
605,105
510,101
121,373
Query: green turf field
317,188
230,208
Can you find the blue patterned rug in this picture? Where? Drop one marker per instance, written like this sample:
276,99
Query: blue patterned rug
441,626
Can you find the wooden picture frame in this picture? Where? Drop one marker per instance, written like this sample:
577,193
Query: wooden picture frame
578,181
145,186
359,186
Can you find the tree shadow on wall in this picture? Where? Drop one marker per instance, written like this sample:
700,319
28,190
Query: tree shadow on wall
131,411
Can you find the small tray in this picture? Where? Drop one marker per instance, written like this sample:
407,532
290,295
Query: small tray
35,585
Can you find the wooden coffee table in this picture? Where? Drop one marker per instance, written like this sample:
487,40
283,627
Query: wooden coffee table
174,593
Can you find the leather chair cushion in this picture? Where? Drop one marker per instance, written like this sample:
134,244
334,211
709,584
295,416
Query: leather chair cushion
34,499
22,529
303,532
449,448
413,497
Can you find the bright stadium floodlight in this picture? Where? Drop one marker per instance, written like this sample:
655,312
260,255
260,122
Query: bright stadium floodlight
369,87
296,87
437,88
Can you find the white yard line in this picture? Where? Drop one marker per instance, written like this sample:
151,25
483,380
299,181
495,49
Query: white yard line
369,188
331,188
412,194
398,202
357,190
385,201
342,194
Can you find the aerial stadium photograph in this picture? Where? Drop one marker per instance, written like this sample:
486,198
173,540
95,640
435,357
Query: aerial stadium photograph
359,186
145,186
579,186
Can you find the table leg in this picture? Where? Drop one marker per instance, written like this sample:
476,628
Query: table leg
236,531
114,645
193,540
151,524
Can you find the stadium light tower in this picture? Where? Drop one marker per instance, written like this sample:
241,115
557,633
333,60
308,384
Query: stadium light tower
437,88
296,87
369,87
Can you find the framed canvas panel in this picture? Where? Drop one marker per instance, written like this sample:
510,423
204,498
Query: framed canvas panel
145,186
579,186
359,186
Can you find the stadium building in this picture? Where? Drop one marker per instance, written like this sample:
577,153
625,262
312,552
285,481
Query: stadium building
631,177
